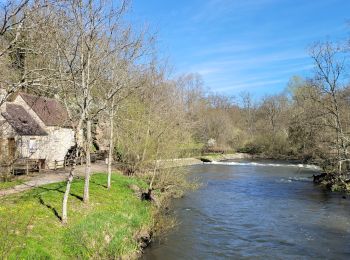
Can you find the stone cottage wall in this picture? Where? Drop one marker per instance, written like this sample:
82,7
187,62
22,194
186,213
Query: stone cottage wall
25,152
53,147
60,140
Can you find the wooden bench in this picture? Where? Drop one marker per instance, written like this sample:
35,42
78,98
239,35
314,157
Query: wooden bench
26,165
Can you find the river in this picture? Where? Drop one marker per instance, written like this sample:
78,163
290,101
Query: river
265,210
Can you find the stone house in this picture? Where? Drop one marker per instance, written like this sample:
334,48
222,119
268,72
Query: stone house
36,128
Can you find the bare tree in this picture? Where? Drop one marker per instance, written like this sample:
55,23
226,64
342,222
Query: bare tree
16,26
84,36
329,77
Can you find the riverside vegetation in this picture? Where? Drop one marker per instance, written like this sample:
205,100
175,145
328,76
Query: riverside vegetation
103,229
116,223
121,95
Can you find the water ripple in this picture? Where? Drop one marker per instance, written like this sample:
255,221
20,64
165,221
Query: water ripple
305,166
268,212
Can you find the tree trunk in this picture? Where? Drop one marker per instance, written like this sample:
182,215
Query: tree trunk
71,173
86,85
110,151
156,166
66,195
88,162
147,135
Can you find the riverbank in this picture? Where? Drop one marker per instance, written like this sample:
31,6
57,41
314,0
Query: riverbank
170,163
109,227
222,157
333,182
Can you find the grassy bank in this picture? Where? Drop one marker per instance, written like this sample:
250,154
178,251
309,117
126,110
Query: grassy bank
9,184
30,227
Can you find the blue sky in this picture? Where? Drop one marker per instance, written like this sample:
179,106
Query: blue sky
242,45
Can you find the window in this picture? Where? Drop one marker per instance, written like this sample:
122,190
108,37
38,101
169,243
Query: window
33,145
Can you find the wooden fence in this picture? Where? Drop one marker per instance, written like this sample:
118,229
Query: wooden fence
26,165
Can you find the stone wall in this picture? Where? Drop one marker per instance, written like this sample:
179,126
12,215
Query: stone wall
52,148
60,140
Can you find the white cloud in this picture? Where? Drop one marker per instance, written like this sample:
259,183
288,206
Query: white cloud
249,85
245,62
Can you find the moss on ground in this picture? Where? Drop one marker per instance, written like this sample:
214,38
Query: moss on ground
30,227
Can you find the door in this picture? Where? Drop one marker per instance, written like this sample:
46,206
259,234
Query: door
1,145
42,164
11,148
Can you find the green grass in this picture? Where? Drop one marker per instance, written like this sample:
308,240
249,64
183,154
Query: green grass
30,227
9,184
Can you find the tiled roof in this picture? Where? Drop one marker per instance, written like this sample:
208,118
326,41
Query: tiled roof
50,111
21,121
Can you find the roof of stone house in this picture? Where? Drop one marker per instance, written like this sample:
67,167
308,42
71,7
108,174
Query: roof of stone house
21,121
49,110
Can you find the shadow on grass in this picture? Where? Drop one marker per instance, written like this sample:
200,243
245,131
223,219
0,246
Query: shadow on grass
98,184
42,202
58,189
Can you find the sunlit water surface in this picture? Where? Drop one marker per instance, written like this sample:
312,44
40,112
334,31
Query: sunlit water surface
264,210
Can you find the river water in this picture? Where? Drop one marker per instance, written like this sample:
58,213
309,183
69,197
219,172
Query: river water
246,210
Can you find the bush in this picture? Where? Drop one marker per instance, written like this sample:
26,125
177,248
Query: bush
251,148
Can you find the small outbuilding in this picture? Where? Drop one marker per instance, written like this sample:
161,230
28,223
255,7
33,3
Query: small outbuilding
35,128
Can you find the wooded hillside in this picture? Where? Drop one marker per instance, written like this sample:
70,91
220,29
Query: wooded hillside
117,89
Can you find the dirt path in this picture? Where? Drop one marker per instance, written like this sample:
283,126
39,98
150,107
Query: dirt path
47,177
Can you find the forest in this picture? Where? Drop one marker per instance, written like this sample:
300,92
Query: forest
109,73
